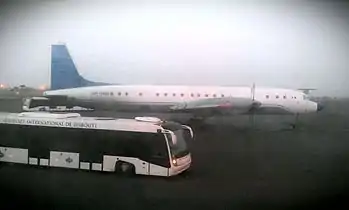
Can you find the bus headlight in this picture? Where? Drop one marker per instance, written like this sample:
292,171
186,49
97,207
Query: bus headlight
174,161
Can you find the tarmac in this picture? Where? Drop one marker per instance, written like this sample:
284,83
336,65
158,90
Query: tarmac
237,165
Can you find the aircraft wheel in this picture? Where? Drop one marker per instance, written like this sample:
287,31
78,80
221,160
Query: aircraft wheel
1,156
42,109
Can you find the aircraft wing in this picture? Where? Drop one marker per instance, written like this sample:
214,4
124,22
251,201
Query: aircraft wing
209,105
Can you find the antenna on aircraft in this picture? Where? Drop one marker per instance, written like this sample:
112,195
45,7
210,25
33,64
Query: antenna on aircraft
253,90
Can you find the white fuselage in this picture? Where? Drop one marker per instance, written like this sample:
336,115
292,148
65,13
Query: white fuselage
273,100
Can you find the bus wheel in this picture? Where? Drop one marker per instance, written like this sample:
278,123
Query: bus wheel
124,168
1,156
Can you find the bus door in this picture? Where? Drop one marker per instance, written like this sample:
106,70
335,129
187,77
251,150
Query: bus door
159,156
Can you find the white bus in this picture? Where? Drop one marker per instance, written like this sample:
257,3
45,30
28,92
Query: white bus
34,104
123,146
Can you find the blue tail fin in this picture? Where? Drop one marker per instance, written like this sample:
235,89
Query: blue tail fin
63,71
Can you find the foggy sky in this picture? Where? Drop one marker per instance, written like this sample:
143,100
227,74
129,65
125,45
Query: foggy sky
291,45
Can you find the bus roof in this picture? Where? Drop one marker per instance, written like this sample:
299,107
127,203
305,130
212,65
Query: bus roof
74,120
48,115
38,98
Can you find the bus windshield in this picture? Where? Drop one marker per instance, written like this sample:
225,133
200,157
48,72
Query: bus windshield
179,147
26,102
35,103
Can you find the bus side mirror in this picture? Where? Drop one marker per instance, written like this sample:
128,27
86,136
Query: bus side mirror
191,134
174,139
188,129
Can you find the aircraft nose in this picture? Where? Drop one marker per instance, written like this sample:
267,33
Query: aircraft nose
320,107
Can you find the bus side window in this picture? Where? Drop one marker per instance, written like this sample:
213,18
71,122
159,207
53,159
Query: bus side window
134,145
12,136
91,145
38,142
36,103
5,133
137,146
119,143
130,144
112,141
64,139
157,146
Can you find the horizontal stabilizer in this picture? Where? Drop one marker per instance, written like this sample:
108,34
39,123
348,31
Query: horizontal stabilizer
306,90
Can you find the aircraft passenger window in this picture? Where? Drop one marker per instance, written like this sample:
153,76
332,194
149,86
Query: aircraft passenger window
277,96
295,97
174,94
206,95
111,93
157,94
214,95
284,97
267,96
192,95
198,94
165,94
119,93
182,94
140,94
222,95
126,94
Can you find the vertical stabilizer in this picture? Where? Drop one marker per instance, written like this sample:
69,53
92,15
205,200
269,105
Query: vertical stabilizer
63,71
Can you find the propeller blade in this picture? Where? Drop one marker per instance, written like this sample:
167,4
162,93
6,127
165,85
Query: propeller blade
253,88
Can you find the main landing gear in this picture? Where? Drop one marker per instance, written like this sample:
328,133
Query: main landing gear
293,125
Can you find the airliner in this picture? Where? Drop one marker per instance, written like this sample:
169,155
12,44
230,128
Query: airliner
200,101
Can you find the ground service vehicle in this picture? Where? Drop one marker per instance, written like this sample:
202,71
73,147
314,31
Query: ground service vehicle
33,104
142,145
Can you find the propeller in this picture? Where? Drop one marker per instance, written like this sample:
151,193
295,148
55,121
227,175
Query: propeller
255,104
253,90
